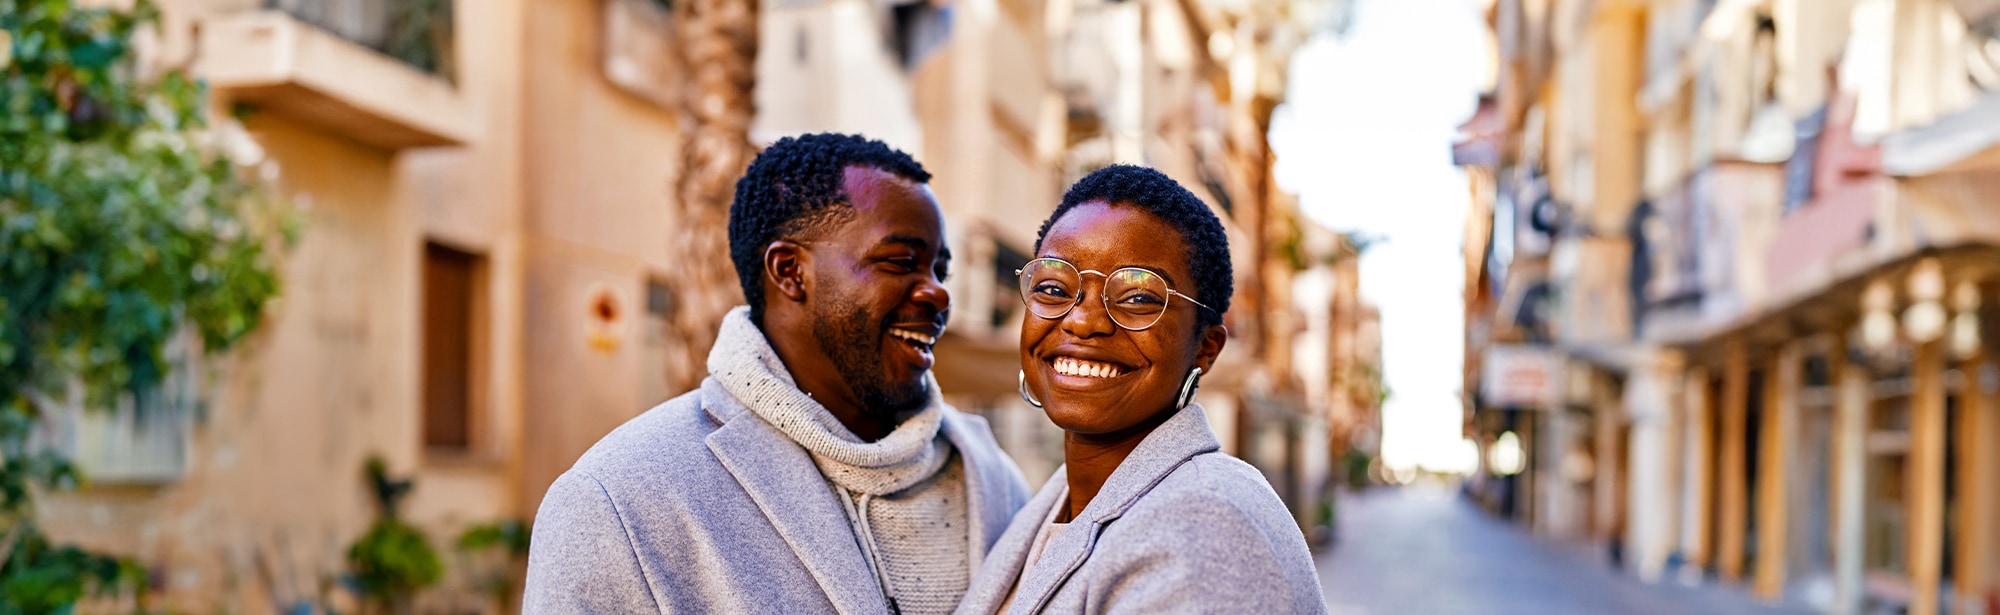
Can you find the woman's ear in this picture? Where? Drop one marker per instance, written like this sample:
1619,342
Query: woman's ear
1213,338
786,268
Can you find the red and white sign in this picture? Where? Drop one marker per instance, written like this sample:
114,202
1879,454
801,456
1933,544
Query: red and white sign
1521,377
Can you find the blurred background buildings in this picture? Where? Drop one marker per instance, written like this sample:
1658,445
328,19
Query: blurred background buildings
1730,292
511,243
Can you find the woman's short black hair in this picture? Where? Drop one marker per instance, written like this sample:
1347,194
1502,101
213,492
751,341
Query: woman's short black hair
1201,232
795,187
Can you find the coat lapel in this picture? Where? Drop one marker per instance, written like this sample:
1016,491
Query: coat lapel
1173,443
1003,564
985,480
785,484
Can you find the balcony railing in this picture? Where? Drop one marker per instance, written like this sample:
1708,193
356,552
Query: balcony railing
415,32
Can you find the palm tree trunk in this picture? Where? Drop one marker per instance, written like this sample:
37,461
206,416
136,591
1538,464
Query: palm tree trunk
719,56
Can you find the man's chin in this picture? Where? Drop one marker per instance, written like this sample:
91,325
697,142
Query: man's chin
903,401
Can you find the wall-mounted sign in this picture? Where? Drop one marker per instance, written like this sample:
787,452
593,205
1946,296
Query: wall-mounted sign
1522,377
604,317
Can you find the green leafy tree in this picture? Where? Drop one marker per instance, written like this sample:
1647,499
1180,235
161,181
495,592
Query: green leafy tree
121,227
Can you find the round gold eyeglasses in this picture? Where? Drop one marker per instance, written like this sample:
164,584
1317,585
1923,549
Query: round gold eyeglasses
1135,297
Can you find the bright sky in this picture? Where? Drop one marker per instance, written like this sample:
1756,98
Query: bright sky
1365,141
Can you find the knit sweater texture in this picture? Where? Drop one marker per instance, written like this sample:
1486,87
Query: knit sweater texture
905,494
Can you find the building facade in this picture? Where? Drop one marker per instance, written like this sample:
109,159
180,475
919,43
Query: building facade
1735,292
492,268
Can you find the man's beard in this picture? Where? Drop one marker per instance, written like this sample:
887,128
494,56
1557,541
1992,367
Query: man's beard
854,343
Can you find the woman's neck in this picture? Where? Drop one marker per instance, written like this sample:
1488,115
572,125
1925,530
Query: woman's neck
1091,458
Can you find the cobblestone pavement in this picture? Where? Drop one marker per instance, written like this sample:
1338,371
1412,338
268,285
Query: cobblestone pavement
1423,550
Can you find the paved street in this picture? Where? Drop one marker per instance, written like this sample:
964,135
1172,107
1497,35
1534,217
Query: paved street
1424,550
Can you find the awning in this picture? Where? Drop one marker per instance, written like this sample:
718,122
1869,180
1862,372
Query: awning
1961,141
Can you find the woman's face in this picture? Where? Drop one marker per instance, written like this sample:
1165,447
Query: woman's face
1092,376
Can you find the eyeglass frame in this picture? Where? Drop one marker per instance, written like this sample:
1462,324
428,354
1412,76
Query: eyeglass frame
1104,297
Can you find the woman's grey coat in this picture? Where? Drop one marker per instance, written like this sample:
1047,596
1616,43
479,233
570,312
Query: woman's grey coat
1179,527
699,506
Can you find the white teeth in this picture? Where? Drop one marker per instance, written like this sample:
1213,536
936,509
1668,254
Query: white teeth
1076,367
914,336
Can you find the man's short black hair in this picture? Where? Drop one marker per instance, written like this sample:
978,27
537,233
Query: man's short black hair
794,188
1207,243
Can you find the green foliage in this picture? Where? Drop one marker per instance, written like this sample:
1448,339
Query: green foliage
57,576
119,226
119,229
495,549
392,562
510,535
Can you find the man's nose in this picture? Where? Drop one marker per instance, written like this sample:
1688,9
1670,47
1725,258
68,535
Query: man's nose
933,293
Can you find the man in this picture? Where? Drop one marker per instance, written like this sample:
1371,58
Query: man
816,469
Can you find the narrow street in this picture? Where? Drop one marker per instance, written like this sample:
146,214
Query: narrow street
1424,550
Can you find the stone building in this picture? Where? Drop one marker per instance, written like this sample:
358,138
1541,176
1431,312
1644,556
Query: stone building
1750,246
501,257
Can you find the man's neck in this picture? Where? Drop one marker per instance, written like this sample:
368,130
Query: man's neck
817,377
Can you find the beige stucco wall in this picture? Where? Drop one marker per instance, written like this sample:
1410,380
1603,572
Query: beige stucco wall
273,494
274,479
598,167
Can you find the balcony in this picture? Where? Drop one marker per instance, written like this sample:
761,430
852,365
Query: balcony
350,77
415,32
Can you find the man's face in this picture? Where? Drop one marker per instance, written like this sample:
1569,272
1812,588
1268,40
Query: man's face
881,304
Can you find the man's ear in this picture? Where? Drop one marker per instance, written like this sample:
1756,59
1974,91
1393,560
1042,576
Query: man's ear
1213,338
787,267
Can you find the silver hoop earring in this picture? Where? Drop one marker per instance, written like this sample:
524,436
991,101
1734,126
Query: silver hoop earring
1024,390
1187,389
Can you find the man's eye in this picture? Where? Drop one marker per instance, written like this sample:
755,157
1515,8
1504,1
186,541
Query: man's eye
902,265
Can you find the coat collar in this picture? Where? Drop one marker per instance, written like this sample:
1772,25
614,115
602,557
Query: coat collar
1173,443
985,477
788,488
998,575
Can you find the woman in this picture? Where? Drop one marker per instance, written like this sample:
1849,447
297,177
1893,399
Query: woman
1147,515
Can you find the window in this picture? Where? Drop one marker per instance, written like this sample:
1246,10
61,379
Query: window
452,332
144,438
659,354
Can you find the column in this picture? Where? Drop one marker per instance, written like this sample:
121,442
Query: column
1735,404
1608,420
1653,486
1777,435
1850,407
1926,474
1972,576
1698,473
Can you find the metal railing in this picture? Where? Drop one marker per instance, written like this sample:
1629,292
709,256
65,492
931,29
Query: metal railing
415,32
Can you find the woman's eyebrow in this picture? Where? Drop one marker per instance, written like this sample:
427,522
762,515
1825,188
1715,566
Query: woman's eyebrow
1156,270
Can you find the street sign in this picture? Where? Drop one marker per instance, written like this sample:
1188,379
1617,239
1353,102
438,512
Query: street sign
1522,377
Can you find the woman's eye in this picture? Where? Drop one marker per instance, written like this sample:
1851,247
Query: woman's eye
902,265
1051,290
1141,299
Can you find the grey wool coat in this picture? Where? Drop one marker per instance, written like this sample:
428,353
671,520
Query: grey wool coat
1179,527
700,506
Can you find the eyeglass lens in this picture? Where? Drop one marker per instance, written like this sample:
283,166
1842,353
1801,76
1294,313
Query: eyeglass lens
1135,298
